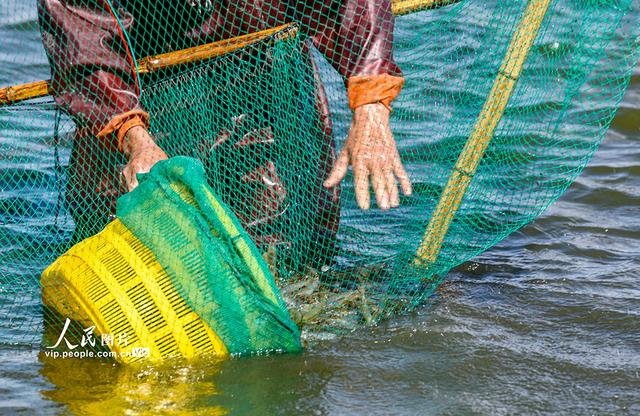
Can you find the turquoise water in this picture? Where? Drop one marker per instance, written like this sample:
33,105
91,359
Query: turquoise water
548,321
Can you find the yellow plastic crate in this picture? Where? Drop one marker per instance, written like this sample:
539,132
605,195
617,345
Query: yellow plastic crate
114,282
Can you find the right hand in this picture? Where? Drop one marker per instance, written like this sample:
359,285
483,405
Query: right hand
142,153
371,150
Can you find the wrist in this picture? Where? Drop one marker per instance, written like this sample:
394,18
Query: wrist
371,113
377,107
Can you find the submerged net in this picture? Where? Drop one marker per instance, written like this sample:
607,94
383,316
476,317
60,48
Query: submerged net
526,88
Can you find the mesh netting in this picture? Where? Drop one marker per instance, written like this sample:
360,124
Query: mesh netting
496,108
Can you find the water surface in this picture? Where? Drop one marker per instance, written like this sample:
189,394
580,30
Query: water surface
548,321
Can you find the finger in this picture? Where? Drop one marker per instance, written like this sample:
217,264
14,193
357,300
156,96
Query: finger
402,176
361,180
392,188
130,178
380,188
133,183
123,184
339,170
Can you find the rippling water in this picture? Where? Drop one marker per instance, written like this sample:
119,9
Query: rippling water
548,321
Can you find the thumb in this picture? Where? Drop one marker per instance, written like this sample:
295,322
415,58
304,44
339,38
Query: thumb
130,178
339,170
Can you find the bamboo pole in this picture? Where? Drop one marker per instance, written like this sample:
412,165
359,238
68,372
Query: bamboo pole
403,7
15,94
483,130
38,89
211,50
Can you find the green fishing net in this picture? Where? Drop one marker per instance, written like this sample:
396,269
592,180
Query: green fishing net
533,84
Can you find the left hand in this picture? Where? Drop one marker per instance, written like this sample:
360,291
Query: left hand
142,153
371,150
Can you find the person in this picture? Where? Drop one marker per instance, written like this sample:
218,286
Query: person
91,44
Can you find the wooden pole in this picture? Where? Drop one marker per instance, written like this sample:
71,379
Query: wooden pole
482,133
15,94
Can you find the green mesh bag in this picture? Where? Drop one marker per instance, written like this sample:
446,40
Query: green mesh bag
211,260
496,109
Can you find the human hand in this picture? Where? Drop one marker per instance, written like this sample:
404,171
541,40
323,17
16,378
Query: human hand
371,150
142,153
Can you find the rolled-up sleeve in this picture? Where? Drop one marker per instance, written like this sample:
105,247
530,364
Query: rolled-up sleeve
357,38
92,77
